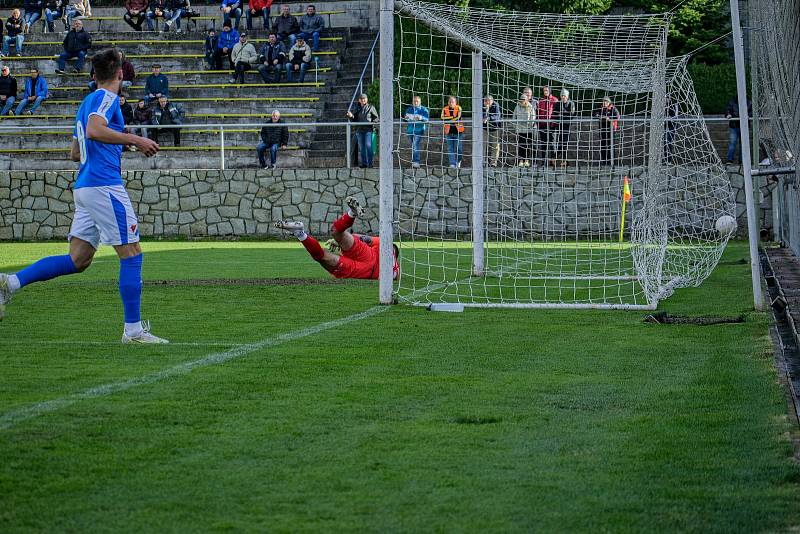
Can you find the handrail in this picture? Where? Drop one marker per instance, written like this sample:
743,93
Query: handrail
370,61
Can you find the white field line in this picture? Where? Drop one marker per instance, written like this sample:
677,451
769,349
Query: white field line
76,343
14,417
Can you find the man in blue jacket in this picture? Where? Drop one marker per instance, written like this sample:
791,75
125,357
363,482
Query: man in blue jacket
227,40
311,26
35,92
417,116
156,85
231,8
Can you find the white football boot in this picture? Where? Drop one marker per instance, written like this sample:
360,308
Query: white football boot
290,226
144,338
355,206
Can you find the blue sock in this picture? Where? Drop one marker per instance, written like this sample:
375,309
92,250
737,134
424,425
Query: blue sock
130,287
45,269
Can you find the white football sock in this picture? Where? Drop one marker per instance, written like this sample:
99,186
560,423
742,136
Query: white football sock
13,283
133,329
350,213
300,234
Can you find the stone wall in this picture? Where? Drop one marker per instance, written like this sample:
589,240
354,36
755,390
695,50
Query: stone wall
201,203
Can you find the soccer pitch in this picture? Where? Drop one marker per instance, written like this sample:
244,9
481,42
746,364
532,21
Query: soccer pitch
288,401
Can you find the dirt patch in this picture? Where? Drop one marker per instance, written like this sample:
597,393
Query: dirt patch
244,282
666,318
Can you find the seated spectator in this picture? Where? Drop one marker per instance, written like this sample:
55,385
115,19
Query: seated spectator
142,116
8,90
273,58
364,112
164,114
258,8
54,9
285,26
156,9
33,12
176,10
156,85
311,26
417,116
128,74
36,92
75,9
231,8
243,57
211,49
227,40
13,33
76,44
299,58
135,13
127,110
272,138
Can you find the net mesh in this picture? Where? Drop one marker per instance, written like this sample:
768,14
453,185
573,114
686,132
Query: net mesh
581,105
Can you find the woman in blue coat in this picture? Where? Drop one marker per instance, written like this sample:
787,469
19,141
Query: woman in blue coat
417,116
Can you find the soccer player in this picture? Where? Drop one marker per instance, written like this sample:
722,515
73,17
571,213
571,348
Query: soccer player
359,256
103,212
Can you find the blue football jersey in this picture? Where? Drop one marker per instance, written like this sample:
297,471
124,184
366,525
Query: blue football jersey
101,163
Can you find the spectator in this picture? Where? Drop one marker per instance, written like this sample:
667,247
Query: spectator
286,26
734,126
243,57
54,9
8,90
135,13
176,10
156,85
128,74
167,113
35,92
609,117
525,128
299,59
76,44
417,116
227,40
273,58
544,112
272,138
528,92
156,9
258,8
13,33
211,49
77,8
231,8
127,110
311,26
364,112
454,133
492,117
142,116
33,12
563,113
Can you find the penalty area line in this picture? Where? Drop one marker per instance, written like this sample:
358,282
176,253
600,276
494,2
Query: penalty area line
14,417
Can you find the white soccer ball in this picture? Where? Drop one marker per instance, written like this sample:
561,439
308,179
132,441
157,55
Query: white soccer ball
725,225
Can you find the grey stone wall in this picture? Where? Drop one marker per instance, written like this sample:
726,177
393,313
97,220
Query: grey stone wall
37,205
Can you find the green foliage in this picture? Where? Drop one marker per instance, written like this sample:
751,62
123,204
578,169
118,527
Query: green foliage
714,85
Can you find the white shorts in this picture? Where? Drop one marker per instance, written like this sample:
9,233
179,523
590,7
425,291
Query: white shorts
104,215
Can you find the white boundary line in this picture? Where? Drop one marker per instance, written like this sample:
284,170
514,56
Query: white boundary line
76,343
14,417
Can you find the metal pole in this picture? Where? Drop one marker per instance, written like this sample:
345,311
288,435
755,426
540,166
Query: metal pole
222,148
741,91
349,145
756,127
386,145
477,164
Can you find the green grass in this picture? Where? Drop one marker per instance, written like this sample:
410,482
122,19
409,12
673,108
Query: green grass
490,420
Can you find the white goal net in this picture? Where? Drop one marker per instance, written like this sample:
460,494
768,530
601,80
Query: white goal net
605,193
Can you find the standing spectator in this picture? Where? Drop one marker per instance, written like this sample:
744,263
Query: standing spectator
243,57
231,8
563,113
734,126
211,50
609,117
454,133
13,33
8,90
417,116
525,127
273,58
164,114
33,12
364,112
156,85
227,40
77,8
311,26
128,74
36,91
544,112
492,117
156,9
258,8
76,44
53,9
142,116
127,110
285,26
528,92
272,138
176,10
135,13
298,61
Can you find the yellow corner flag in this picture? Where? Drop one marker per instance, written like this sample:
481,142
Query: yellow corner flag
626,197
626,191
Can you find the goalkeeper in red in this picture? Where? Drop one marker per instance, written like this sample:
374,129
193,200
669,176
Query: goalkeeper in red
359,257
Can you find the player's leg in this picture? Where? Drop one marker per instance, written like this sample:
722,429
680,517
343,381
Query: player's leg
342,224
327,259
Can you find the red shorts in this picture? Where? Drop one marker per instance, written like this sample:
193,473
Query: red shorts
361,261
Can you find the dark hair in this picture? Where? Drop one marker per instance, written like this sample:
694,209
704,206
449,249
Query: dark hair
34,68
311,5
227,24
107,63
396,251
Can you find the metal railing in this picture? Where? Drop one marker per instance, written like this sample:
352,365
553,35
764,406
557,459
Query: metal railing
369,63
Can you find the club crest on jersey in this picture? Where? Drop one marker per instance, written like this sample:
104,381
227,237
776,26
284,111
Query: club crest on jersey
134,229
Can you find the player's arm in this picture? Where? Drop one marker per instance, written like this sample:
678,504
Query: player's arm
97,130
75,150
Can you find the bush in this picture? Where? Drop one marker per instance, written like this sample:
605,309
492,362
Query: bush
715,85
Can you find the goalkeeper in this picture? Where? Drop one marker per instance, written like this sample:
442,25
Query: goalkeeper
359,256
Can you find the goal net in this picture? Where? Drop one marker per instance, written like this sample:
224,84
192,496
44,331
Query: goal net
606,192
